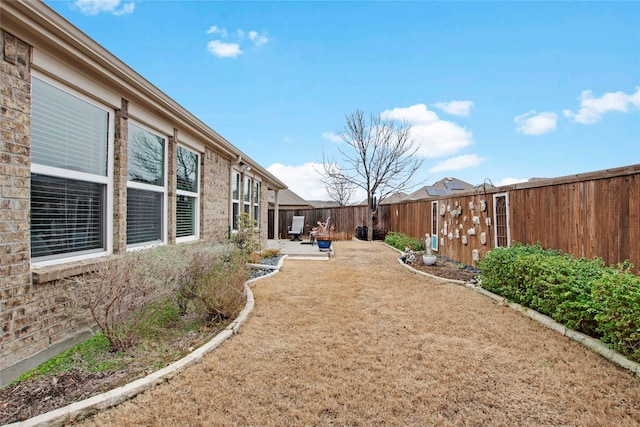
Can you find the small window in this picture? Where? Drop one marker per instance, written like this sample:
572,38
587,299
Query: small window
146,187
256,203
247,195
235,199
187,203
501,220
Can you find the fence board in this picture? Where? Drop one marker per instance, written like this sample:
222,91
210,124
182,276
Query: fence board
588,215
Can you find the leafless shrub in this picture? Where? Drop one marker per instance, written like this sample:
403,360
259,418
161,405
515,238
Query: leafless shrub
119,292
118,296
215,282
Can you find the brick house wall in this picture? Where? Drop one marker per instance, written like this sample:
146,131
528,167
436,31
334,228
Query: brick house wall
16,291
38,313
215,181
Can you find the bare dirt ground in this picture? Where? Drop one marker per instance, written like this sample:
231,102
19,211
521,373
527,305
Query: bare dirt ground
359,340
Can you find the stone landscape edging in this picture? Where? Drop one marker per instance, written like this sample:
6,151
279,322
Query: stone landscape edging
94,404
589,342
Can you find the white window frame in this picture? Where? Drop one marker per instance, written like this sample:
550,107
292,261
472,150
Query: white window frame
255,201
247,195
235,173
82,176
155,188
195,195
495,218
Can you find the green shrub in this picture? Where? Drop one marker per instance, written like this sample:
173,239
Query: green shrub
617,298
582,294
401,241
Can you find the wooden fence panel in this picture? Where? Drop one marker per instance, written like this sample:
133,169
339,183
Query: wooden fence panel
589,215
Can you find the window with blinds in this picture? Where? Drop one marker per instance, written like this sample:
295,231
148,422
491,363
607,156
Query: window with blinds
144,216
69,174
146,186
187,203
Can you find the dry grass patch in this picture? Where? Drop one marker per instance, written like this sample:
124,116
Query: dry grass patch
359,340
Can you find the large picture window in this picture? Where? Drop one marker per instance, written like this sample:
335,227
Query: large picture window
187,203
146,187
69,174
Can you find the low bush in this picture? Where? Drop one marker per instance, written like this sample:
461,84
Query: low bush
130,294
122,288
401,241
583,294
214,283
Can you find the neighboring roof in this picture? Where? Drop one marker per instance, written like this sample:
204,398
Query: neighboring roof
287,197
40,26
324,204
391,198
444,187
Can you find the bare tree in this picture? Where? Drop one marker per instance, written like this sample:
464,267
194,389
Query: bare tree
380,159
338,188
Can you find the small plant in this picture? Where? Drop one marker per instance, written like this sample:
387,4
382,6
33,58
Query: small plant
270,253
245,237
87,356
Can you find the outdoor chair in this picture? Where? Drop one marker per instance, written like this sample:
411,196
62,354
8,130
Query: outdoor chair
296,228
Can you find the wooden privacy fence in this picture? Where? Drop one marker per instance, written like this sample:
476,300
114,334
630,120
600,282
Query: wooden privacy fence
588,215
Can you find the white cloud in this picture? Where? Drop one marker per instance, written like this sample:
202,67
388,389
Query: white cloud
233,49
331,137
456,108
224,50
457,163
435,137
304,180
258,39
510,181
533,123
94,7
592,109
214,29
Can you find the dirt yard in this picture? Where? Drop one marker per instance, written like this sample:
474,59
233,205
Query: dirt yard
360,340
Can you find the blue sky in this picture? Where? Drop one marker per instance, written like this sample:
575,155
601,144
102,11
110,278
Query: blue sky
505,91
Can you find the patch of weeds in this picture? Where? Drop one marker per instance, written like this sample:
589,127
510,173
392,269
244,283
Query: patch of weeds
93,355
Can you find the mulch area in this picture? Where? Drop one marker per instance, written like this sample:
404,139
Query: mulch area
447,269
360,340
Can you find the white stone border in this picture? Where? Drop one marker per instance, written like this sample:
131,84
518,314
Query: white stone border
93,405
590,342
